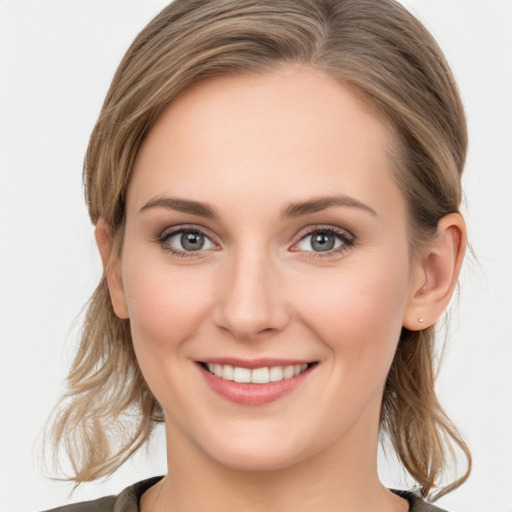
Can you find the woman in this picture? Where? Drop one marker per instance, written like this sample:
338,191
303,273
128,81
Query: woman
276,191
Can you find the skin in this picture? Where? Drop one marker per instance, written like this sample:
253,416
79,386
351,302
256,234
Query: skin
249,146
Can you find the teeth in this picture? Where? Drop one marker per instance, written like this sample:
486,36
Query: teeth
260,375
288,372
228,372
276,373
257,375
240,374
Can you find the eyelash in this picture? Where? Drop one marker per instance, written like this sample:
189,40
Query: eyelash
347,239
163,240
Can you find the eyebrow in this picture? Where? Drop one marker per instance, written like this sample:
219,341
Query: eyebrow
292,210
181,205
321,203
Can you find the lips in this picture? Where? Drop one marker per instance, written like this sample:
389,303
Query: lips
254,382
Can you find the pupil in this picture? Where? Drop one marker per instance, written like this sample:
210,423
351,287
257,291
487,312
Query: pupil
192,241
322,242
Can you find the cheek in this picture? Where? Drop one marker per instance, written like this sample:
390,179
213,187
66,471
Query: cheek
165,306
357,312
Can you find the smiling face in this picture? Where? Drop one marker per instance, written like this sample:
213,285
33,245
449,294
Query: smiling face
266,240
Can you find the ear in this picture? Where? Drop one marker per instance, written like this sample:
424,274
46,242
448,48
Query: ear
435,273
111,269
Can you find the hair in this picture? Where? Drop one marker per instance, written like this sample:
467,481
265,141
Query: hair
377,50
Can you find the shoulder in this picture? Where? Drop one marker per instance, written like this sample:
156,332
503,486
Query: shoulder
127,501
417,504
105,504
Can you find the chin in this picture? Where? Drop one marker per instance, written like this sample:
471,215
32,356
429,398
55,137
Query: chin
262,459
258,449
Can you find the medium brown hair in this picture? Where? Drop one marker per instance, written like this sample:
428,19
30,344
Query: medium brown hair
383,55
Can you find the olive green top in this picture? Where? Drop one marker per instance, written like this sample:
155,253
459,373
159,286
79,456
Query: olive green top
128,501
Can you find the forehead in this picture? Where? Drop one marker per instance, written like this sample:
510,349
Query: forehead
294,130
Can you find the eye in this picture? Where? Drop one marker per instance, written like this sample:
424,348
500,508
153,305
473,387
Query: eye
325,240
184,241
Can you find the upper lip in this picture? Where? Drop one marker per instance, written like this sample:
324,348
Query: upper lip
254,363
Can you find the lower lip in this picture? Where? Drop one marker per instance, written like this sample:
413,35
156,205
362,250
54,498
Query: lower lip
253,394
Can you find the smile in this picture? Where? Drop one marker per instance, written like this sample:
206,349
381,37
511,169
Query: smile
256,382
262,375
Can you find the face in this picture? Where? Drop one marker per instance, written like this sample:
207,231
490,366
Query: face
265,268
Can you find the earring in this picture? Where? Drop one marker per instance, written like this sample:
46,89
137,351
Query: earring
420,320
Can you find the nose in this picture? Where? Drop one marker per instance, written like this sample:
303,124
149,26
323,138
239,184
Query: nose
250,301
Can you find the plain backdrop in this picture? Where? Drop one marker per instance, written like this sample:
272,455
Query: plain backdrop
57,58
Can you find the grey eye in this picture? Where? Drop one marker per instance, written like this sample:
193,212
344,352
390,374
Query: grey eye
190,241
320,241
323,242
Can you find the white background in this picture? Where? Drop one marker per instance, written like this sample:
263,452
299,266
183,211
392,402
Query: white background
56,61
